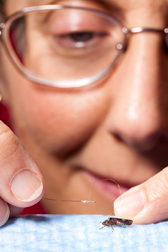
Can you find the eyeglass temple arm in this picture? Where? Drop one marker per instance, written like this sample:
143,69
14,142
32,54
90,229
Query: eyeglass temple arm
2,25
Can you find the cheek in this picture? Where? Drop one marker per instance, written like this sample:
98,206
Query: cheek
53,120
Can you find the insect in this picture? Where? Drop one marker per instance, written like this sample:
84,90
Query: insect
112,221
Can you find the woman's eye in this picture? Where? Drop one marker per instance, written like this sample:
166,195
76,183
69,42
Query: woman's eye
80,39
81,36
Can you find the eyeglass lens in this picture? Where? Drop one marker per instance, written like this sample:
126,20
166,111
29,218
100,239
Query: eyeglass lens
64,44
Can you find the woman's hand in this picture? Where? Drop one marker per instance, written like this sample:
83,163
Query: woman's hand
21,183
145,203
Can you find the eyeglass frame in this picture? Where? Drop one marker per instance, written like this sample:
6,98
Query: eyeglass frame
79,82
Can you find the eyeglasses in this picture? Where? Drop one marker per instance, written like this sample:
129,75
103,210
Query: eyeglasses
65,46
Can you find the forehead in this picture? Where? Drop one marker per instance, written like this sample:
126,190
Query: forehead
124,5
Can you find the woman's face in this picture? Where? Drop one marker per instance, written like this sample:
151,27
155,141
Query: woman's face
117,130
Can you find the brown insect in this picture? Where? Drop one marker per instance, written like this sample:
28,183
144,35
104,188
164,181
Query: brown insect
112,221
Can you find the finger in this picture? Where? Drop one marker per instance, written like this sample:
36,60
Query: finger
145,203
21,182
14,211
4,213
8,211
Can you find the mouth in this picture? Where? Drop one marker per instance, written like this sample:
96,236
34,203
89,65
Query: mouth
108,187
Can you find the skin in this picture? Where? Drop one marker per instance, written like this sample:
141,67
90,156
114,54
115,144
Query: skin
117,130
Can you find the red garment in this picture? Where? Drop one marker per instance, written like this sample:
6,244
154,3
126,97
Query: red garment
36,209
4,115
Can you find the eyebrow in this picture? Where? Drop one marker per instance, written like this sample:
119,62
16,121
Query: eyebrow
110,6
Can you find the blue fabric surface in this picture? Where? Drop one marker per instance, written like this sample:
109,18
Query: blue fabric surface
79,233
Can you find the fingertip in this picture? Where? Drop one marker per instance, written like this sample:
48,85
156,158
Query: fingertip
130,203
145,203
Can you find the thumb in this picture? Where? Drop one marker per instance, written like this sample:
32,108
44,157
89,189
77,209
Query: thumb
147,202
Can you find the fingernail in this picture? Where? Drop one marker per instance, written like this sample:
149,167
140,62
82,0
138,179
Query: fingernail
129,204
26,185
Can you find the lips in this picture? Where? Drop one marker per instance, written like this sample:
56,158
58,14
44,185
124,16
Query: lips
108,187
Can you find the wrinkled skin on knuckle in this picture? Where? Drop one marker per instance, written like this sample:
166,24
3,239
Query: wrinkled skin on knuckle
9,143
156,188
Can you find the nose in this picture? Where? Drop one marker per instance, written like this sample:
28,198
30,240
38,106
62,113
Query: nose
138,115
